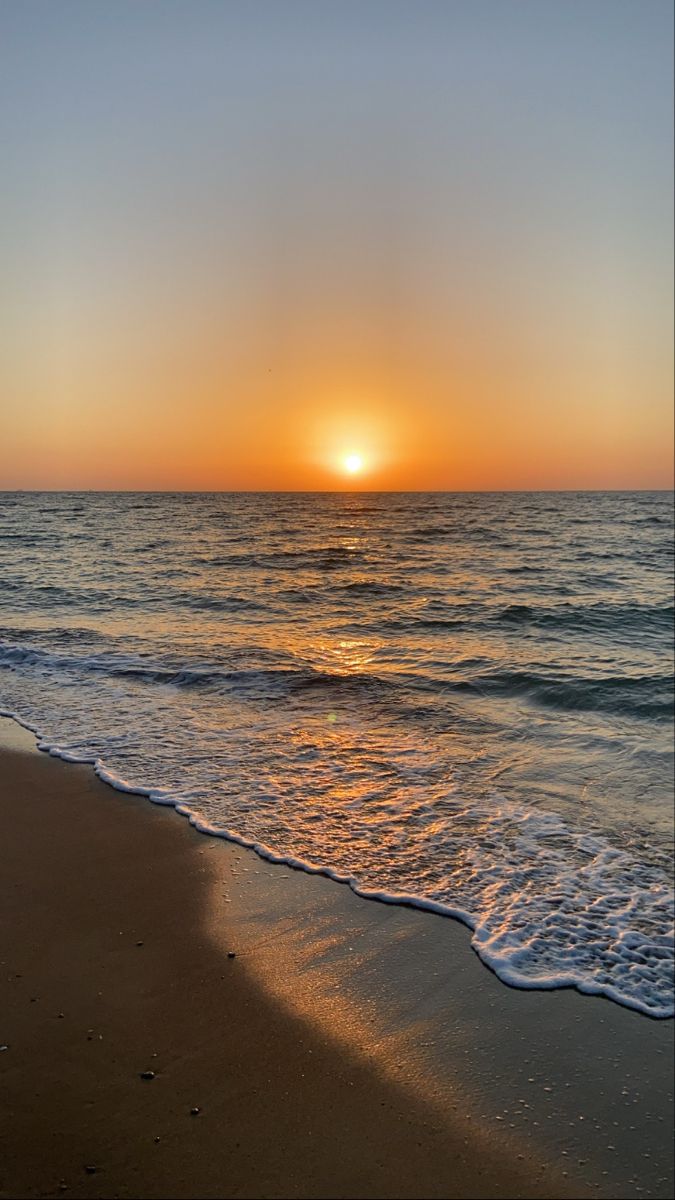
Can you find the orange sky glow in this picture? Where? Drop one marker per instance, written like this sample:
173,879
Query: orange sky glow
235,255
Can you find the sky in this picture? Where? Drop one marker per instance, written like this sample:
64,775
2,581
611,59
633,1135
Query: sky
245,241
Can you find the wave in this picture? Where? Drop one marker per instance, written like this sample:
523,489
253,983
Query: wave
368,587
30,539
341,593
412,624
485,533
593,617
648,697
524,569
433,532
54,634
545,934
258,681
54,595
207,602
151,597
643,697
321,558
439,617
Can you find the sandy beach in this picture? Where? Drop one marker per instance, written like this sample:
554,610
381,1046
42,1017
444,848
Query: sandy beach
337,670
301,1040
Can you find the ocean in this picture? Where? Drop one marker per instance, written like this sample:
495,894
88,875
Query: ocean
458,701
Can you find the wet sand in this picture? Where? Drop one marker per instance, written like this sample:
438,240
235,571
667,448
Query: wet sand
287,1070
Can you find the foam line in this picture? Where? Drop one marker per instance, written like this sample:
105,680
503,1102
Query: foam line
485,946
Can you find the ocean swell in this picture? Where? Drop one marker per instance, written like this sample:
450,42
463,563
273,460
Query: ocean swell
429,698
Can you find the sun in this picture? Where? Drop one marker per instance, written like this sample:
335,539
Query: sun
352,463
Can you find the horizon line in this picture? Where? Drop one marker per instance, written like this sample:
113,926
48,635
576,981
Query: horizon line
326,491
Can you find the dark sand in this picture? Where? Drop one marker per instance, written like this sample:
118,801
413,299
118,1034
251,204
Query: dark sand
88,873
303,1084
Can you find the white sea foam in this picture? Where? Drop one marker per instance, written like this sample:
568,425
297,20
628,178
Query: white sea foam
569,910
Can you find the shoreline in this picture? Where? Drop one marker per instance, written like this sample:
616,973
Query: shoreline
268,856
350,1049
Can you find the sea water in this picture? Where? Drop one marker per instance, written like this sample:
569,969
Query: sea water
458,701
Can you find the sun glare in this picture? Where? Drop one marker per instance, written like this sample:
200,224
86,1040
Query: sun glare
352,463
